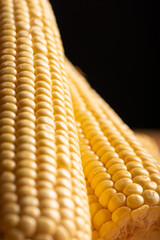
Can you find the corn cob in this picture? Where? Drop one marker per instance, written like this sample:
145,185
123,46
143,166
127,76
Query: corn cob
42,186
123,179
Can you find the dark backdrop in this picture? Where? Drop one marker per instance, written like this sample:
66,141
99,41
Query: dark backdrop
116,44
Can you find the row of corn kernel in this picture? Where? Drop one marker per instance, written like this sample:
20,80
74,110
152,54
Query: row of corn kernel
81,207
95,207
66,229
79,191
45,129
64,222
99,215
26,165
8,110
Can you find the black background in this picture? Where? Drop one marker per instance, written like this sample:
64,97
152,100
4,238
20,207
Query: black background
116,44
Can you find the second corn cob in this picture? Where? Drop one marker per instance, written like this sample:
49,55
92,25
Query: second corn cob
123,179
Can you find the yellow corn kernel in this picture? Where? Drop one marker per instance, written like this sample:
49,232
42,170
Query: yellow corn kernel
141,180
120,214
106,195
117,201
105,230
150,185
121,174
132,188
151,197
122,183
134,201
113,161
102,186
116,167
100,218
108,156
94,208
99,178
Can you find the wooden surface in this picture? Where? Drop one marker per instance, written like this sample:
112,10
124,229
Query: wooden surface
152,133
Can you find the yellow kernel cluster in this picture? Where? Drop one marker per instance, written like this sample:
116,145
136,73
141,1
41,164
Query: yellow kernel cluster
123,178
43,193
